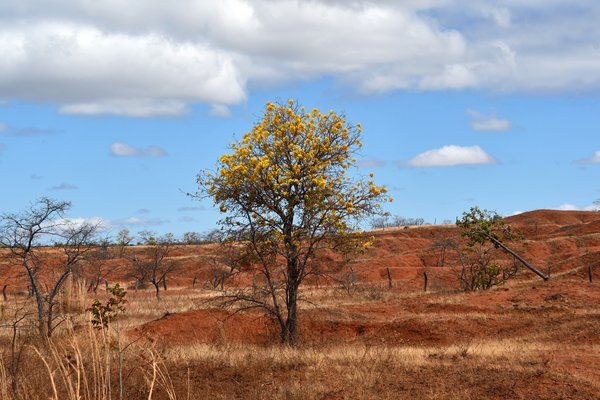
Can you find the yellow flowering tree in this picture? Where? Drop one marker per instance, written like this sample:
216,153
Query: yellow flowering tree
286,193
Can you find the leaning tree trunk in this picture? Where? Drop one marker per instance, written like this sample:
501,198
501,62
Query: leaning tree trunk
518,257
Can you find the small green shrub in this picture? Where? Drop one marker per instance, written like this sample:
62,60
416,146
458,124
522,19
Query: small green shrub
104,314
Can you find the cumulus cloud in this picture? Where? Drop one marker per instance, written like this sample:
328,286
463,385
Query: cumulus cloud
127,107
119,149
594,159
78,222
501,16
573,207
567,207
148,57
220,110
490,123
452,155
89,70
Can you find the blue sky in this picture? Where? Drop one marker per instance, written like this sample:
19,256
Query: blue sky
116,106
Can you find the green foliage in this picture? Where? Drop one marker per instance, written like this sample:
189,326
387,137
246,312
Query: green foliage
485,231
104,314
483,226
482,276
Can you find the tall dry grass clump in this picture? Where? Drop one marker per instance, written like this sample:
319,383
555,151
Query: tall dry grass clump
87,364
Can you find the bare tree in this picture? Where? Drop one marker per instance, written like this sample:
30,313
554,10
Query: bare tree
191,238
477,267
25,233
155,266
97,265
124,239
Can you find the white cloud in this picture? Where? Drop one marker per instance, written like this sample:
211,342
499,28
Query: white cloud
119,149
452,155
127,107
89,70
568,207
594,159
491,123
78,222
501,16
220,110
454,76
148,57
573,207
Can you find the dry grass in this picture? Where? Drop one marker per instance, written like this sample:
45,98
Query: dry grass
525,362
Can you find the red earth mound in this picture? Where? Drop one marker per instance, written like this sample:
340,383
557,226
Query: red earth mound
563,242
549,311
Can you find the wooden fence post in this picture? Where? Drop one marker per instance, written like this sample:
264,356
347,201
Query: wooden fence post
389,276
424,281
590,273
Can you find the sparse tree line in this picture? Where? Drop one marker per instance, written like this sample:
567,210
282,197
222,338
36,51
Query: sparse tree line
50,250
125,238
395,221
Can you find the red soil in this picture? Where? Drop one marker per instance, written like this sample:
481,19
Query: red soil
566,241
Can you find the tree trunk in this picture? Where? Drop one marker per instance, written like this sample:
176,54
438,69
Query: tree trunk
518,257
157,287
49,318
291,327
39,299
